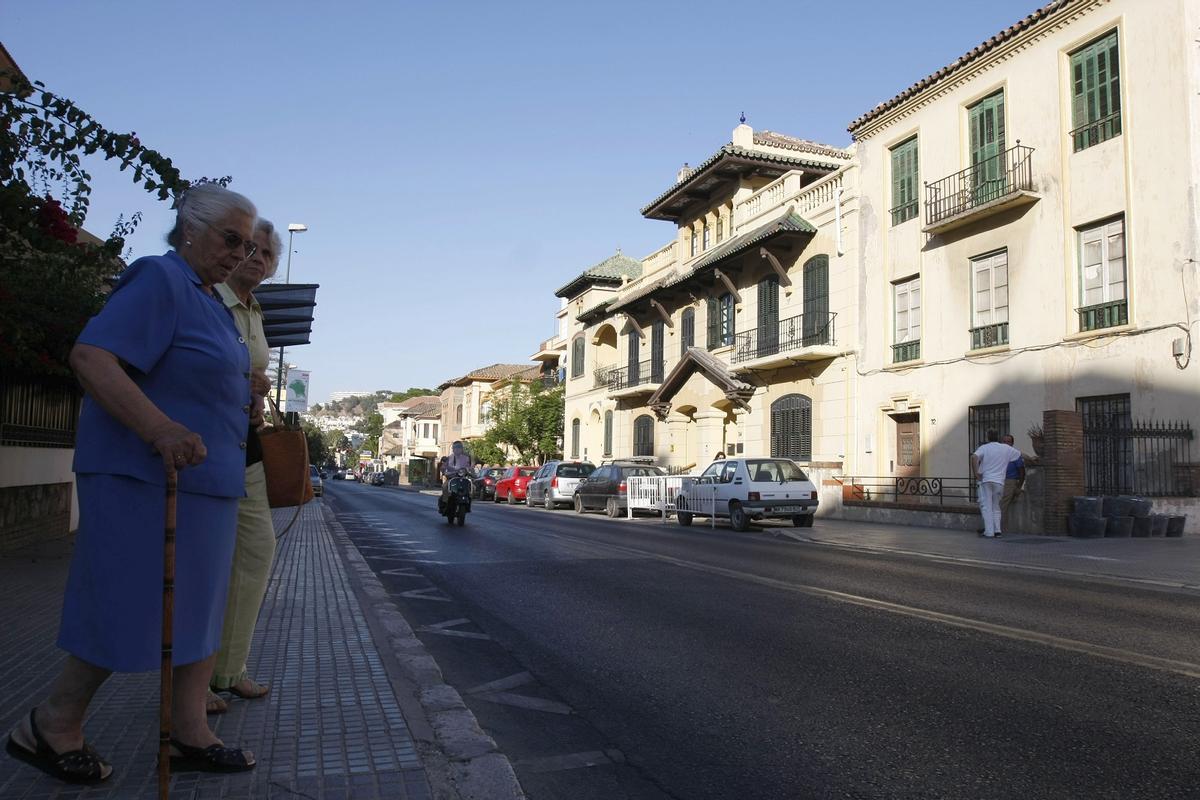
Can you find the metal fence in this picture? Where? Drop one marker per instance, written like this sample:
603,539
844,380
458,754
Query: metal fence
1123,456
623,377
924,490
38,411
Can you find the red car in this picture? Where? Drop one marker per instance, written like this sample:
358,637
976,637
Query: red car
511,486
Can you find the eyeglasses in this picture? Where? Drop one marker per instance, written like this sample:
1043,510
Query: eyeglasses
234,242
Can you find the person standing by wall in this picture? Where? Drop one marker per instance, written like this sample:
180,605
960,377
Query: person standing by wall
989,465
1014,482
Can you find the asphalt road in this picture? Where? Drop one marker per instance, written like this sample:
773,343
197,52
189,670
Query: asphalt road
613,659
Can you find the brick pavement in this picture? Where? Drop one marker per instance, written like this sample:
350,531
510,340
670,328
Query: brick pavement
331,727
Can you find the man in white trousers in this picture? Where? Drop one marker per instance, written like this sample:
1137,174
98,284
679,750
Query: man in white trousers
989,464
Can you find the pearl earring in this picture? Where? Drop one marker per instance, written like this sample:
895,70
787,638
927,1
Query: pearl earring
188,243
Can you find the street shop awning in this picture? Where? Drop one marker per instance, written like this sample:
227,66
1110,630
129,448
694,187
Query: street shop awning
287,312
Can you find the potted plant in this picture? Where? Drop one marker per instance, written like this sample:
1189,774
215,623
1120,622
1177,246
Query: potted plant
1036,438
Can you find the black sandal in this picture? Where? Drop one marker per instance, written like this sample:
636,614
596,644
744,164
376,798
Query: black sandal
83,766
214,758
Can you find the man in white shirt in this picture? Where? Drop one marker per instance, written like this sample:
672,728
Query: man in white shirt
989,464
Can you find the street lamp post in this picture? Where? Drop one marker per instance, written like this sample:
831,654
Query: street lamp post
293,229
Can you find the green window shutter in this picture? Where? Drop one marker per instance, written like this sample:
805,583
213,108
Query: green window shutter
816,301
904,181
713,323
1096,92
1078,91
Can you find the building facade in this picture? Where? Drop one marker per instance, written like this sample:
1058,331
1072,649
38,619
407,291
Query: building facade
728,338
1028,236
466,402
1013,234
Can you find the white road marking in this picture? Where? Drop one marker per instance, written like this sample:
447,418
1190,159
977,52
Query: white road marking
1091,558
500,684
407,572
524,701
594,758
1186,668
424,594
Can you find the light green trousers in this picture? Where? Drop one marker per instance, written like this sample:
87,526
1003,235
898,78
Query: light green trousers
252,557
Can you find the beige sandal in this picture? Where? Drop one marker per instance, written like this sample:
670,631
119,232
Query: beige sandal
215,704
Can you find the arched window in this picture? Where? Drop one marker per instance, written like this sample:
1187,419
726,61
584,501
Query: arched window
687,331
608,430
577,357
643,435
575,438
791,428
458,414
817,328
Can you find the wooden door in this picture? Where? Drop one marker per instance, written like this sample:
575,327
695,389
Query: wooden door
908,446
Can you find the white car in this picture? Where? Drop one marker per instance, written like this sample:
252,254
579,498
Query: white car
745,489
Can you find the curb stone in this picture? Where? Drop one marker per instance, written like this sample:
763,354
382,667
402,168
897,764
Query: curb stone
462,761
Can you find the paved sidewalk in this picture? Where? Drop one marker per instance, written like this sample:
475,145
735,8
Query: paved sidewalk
332,726
1163,561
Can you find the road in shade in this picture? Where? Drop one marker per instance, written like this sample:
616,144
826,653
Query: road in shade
613,659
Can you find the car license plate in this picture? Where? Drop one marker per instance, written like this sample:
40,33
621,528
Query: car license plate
789,509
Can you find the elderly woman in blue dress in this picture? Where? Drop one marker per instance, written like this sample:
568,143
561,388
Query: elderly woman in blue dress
166,376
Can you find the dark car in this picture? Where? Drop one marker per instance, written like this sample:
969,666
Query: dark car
485,482
606,488
378,479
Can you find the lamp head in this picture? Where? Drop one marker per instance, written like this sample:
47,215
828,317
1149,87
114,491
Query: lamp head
297,227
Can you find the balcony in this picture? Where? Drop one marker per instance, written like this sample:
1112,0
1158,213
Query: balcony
999,183
629,380
799,338
1093,133
1103,315
551,350
989,336
906,351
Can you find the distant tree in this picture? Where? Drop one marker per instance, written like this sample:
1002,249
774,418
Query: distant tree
400,397
488,452
529,420
318,447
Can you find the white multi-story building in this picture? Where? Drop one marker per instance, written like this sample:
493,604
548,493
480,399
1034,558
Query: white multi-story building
1028,237
1017,232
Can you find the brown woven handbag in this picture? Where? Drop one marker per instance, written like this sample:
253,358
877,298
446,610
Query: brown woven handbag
285,462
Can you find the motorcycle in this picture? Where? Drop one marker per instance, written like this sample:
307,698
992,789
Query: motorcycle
456,503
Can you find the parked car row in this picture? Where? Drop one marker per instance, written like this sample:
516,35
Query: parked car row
741,490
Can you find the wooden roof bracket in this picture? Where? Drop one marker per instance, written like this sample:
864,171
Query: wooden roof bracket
784,280
633,324
662,312
728,284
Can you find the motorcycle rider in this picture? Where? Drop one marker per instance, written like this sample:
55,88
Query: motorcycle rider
458,459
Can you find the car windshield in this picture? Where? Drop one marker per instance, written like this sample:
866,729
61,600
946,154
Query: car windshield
526,472
574,470
775,471
313,472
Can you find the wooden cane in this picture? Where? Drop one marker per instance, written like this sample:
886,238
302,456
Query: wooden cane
168,614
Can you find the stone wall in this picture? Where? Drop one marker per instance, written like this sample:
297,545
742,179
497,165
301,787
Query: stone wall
32,514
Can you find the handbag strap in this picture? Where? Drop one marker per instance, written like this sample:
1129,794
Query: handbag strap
276,414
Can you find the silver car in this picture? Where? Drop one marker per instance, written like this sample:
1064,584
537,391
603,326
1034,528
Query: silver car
554,484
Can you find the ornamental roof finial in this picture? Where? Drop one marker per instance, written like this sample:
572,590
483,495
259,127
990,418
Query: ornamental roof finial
743,118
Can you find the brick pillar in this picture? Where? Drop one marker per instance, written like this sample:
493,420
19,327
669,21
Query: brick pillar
1062,460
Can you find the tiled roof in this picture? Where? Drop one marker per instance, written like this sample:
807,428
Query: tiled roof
975,53
697,358
785,142
591,311
744,154
788,222
611,270
493,372
428,409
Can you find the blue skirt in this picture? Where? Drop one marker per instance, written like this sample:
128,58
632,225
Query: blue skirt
112,611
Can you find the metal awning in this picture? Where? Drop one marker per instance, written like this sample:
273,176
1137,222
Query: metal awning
287,312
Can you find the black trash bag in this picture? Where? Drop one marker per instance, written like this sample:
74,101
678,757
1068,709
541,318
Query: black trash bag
1089,506
1119,528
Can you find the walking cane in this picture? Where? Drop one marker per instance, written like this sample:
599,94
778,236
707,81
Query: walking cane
165,675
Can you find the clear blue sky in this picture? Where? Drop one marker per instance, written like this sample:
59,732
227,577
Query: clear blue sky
458,161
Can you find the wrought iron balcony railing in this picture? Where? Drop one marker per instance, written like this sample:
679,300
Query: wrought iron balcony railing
793,333
906,351
1103,315
1094,133
624,377
999,176
989,336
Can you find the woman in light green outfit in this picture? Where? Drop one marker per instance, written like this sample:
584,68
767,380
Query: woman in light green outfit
255,545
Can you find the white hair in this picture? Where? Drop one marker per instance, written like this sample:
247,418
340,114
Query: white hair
265,226
206,203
